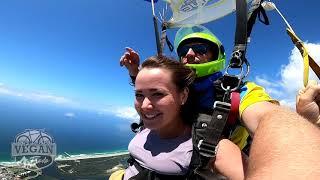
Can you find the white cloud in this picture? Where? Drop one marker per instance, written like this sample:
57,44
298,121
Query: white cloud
263,81
128,113
271,87
50,98
291,76
69,115
35,96
5,91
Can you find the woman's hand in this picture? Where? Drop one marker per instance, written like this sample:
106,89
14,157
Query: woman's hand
130,59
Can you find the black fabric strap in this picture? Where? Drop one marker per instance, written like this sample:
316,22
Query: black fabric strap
240,43
170,46
213,131
207,132
132,162
156,31
164,37
208,129
255,11
241,25
146,174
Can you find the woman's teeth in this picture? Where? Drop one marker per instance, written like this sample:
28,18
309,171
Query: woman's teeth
150,116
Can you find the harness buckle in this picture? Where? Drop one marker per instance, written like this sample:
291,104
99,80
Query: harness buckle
231,82
207,149
221,105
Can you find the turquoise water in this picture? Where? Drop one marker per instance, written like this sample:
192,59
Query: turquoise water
85,133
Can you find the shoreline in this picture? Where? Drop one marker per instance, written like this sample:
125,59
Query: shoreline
73,157
90,156
89,166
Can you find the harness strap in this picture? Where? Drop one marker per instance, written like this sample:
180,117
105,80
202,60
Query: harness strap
170,46
234,110
132,162
156,32
240,44
147,174
207,131
164,37
255,11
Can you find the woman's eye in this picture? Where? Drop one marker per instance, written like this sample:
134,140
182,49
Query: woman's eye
157,94
138,96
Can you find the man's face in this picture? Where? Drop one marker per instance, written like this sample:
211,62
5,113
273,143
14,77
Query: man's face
195,53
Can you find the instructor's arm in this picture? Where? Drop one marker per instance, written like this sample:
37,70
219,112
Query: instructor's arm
285,146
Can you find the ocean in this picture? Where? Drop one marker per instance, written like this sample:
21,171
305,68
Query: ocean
76,132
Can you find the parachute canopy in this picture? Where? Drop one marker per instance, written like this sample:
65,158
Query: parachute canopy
195,12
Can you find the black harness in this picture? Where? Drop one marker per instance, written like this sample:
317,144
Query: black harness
146,174
209,128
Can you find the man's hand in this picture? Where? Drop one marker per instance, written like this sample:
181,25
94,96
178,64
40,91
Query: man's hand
130,59
308,101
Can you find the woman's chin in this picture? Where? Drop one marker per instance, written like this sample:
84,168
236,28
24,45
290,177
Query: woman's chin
150,125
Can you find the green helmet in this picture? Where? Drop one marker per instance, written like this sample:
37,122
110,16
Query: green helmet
201,34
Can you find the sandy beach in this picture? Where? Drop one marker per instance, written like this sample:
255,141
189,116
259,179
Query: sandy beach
89,156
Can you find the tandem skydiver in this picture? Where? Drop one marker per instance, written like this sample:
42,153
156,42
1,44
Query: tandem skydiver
201,50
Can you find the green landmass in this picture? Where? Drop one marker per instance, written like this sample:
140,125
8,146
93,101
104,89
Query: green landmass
94,168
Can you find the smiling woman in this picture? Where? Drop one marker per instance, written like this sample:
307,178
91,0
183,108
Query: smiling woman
162,89
163,98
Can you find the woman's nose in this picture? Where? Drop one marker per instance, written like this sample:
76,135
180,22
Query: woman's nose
146,103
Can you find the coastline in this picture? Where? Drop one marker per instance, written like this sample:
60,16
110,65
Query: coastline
89,166
67,157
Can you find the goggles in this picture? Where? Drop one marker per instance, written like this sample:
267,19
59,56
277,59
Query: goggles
197,48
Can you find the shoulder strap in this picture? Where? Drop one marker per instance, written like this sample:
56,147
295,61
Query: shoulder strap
207,130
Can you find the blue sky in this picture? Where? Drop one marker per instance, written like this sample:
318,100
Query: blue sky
67,51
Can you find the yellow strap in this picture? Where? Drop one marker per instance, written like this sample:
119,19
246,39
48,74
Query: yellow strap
117,175
239,137
306,66
303,51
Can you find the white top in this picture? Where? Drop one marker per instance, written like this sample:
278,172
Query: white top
164,156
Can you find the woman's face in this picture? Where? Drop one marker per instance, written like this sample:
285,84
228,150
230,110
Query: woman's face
158,101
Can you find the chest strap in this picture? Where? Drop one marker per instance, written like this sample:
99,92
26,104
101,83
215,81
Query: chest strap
147,174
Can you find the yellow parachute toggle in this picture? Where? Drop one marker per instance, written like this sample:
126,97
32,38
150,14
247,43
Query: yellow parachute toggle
307,59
